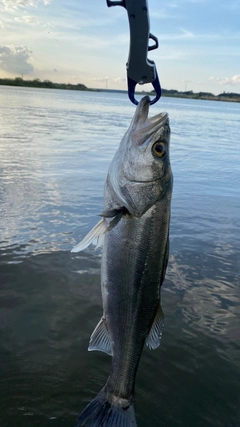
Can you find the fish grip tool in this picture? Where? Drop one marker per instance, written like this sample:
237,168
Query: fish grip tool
140,69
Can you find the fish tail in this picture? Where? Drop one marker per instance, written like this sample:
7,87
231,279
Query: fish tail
102,413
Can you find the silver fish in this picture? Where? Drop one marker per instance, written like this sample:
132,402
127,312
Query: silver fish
134,232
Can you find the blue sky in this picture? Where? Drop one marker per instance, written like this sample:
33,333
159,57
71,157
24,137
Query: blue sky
84,41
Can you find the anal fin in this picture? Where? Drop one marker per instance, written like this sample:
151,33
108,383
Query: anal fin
100,339
154,336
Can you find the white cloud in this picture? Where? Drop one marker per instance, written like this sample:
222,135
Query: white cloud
109,79
171,55
184,35
28,20
233,5
16,4
234,81
202,37
196,1
119,79
99,79
14,59
157,14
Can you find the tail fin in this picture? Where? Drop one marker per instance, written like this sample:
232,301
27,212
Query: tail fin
101,413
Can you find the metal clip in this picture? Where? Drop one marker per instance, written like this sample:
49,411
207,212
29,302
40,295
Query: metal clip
140,69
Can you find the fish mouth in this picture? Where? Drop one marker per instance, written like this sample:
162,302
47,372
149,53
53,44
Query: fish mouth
141,114
142,126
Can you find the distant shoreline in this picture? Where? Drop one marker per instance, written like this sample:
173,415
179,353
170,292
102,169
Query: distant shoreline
47,84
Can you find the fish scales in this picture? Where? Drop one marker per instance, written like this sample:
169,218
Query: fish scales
131,309
134,232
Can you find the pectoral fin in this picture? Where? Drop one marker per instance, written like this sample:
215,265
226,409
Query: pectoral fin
95,236
154,337
100,339
116,214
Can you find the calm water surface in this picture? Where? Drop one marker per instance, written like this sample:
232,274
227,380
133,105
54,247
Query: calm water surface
55,148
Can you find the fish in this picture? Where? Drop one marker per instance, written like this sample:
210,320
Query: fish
134,233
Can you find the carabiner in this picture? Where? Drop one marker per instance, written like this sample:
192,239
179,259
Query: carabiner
140,69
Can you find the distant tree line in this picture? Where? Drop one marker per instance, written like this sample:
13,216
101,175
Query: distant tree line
225,96
18,81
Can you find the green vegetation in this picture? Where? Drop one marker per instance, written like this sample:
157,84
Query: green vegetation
18,81
225,96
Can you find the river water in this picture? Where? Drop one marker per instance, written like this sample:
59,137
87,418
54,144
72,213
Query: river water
55,148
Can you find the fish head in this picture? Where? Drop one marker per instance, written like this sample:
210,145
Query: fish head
145,146
140,172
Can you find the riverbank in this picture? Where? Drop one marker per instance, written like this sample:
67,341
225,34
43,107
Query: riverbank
47,84
224,96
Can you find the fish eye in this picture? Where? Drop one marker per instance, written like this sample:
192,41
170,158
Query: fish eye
159,149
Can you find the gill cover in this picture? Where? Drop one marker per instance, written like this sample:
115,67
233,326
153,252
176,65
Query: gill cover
136,178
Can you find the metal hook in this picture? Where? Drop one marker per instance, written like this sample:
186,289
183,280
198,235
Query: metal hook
116,3
140,69
131,90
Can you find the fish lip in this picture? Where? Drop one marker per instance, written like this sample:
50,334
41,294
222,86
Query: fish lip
141,114
158,118
144,102
143,127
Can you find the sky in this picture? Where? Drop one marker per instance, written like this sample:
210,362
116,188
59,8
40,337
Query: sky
84,41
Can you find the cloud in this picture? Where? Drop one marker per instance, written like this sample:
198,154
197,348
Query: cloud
109,79
234,5
16,4
119,80
14,59
214,79
99,79
28,20
184,35
234,81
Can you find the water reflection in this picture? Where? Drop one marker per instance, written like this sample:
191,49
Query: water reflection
55,148
51,303
209,293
